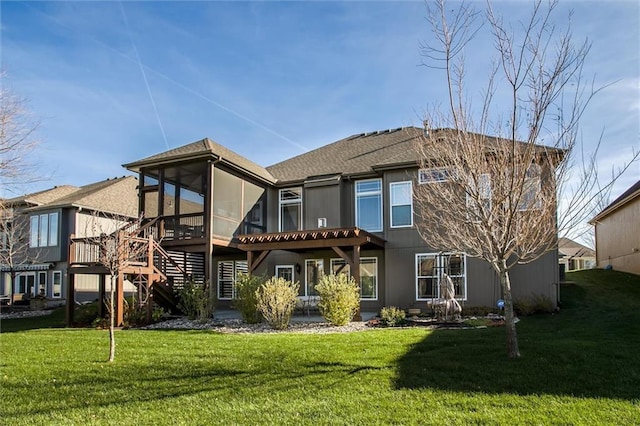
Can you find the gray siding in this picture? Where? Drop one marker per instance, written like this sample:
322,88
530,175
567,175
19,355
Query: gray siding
322,202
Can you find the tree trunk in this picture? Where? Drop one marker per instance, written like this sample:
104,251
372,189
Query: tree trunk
512,337
112,320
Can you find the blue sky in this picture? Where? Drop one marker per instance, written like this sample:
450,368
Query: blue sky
118,81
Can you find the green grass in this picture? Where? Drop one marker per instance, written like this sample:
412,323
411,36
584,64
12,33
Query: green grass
581,366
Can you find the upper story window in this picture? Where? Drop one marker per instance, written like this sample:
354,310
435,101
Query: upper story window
479,202
531,189
401,204
290,209
369,205
434,175
43,230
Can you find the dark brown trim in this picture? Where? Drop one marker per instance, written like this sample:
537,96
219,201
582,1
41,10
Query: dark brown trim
305,240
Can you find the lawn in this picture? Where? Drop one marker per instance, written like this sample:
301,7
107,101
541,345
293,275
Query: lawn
581,366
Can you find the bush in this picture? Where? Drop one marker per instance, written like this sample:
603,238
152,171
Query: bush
276,299
533,304
86,315
246,298
392,316
194,301
479,311
339,298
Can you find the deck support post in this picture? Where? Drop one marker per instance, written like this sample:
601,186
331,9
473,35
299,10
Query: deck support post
71,300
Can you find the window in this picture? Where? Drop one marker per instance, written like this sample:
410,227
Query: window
434,175
480,197
368,275
42,283
369,205
530,189
44,230
401,204
430,270
228,271
314,271
284,271
57,284
369,278
290,209
26,284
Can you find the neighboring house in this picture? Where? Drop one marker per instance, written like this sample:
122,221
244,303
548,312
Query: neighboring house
617,230
46,220
574,256
344,207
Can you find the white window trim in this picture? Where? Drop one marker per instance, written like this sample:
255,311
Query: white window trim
306,276
291,267
537,181
391,205
377,276
348,267
46,283
233,280
285,202
481,189
435,255
53,293
378,192
425,175
36,219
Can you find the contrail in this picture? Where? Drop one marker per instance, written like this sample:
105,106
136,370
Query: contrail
144,75
188,89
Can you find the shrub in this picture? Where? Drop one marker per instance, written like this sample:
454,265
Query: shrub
276,300
533,304
246,298
339,298
478,311
392,316
85,315
195,302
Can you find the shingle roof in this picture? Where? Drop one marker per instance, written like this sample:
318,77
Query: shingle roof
628,195
570,248
363,153
42,197
205,148
115,196
356,154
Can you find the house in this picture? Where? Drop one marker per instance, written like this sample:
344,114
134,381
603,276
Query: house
36,231
574,256
344,207
617,230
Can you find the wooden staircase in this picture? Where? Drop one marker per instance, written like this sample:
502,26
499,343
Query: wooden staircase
134,253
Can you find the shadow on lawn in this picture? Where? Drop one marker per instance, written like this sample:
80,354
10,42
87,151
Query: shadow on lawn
590,349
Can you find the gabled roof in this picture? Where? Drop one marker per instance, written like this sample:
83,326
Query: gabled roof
570,248
117,196
114,196
366,153
626,197
203,149
355,155
41,197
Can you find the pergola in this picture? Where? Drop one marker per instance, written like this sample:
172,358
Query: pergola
340,240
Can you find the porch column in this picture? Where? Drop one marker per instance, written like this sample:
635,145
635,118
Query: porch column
71,300
101,294
120,300
209,265
355,272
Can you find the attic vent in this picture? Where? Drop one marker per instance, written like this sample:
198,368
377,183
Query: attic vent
322,222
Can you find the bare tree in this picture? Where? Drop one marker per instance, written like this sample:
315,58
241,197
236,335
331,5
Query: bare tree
496,197
15,251
17,139
114,244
